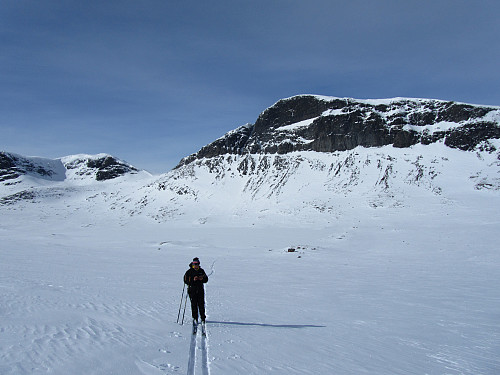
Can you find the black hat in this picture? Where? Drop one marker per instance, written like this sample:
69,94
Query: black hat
196,260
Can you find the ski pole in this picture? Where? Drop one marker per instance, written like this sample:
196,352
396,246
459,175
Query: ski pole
185,303
180,305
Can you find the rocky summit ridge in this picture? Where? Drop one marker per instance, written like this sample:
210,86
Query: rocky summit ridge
329,124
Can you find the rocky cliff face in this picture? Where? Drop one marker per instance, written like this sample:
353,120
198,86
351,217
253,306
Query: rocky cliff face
13,166
325,124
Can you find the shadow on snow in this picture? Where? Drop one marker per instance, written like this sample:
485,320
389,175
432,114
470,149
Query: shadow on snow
266,325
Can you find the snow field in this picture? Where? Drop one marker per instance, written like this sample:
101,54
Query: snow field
377,291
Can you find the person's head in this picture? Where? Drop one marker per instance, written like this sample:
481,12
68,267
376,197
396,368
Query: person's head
196,263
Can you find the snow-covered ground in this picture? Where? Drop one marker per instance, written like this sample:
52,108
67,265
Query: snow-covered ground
385,290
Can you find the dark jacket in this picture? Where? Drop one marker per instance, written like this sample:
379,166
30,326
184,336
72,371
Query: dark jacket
201,278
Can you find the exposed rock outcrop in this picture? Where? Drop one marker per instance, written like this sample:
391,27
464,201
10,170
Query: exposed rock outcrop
104,167
324,124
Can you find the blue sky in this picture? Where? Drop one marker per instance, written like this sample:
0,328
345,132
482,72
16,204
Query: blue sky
153,81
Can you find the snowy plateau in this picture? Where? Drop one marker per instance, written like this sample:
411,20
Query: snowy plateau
340,236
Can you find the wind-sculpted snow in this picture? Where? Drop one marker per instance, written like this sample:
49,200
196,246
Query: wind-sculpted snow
386,290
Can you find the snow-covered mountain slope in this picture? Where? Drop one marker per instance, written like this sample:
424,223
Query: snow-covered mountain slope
101,167
31,179
13,166
380,152
312,184
81,167
307,153
375,259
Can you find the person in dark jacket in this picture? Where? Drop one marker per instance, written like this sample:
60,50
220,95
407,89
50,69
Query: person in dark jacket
194,278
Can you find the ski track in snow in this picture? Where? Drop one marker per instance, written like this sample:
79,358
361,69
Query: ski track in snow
205,365
192,356
198,344
382,289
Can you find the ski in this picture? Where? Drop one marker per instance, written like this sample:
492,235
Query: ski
203,329
195,327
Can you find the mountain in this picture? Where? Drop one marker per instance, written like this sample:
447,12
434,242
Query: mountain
367,256
306,157
25,178
99,167
310,155
325,124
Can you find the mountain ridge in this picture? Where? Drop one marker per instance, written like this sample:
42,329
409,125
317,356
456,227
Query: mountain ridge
99,167
268,170
329,124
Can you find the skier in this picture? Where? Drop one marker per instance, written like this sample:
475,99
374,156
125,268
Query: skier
194,278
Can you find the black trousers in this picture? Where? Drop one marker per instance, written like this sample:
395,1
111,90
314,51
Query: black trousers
197,297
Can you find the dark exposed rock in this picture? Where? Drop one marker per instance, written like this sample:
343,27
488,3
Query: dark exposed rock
345,132
8,170
102,167
109,168
13,166
313,123
232,143
469,136
292,110
21,196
